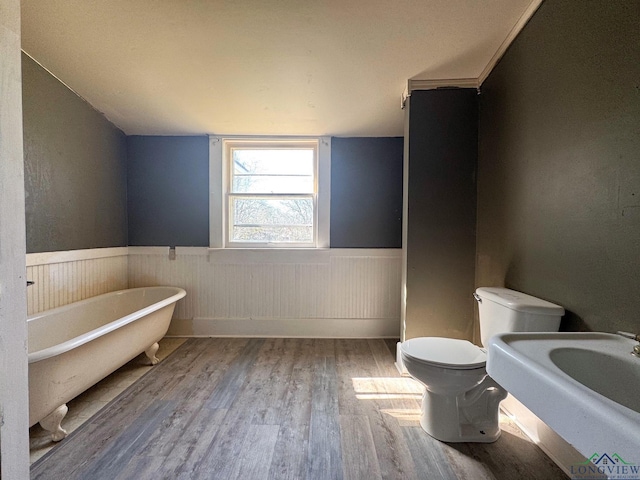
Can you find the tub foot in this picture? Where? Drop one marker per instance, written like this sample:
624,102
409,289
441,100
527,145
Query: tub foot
51,423
151,353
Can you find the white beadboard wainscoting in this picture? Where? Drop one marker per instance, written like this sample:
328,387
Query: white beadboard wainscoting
293,293
66,277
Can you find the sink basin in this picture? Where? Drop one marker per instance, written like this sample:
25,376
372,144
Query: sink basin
585,386
617,378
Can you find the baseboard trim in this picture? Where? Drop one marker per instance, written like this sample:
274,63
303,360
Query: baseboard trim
287,327
552,444
402,370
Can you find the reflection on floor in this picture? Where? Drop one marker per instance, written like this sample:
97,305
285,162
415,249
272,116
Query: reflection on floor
91,401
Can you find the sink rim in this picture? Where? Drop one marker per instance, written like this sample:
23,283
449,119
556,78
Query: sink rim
520,363
546,342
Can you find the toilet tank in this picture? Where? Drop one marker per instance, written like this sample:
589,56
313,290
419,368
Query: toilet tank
502,310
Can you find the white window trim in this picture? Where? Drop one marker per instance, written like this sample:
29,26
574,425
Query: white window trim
217,176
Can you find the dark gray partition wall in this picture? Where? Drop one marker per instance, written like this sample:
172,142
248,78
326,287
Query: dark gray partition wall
366,192
168,184
559,163
75,169
441,213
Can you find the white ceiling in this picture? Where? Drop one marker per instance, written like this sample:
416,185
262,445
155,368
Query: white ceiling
278,67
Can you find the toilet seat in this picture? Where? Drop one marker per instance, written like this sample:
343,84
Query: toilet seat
445,352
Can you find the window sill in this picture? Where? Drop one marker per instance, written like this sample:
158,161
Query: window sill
267,249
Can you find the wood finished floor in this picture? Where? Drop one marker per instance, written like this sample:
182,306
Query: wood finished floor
279,409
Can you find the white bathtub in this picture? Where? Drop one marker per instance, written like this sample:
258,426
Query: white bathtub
74,346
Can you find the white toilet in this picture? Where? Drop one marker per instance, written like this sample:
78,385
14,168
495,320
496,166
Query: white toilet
461,401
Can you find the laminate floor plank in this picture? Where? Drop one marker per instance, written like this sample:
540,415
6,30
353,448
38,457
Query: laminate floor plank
290,452
250,380
323,347
104,428
184,360
352,380
428,455
234,377
277,359
279,409
359,456
363,393
190,395
141,467
185,458
260,440
218,355
511,456
404,393
71,456
325,449
225,447
219,383
129,442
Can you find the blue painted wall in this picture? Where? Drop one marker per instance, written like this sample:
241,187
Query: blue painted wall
366,192
168,192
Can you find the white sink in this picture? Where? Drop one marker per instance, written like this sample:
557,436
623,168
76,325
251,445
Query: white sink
585,386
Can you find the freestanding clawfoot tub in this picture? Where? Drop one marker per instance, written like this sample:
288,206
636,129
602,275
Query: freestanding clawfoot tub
74,346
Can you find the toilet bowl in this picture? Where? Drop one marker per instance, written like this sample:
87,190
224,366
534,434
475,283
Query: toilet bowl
461,401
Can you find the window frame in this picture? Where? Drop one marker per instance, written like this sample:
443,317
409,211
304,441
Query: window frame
220,177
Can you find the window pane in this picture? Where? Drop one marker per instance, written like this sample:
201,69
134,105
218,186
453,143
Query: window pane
272,184
272,211
273,234
273,170
272,220
292,161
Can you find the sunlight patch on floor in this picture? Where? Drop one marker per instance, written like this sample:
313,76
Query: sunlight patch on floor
383,388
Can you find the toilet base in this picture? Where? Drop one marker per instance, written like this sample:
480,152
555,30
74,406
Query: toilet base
470,417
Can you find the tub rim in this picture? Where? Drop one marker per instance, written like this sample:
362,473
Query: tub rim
87,337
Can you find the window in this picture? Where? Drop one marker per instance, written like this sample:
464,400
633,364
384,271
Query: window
271,193
274,192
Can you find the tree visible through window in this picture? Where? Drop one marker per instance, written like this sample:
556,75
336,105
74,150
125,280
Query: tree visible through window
272,193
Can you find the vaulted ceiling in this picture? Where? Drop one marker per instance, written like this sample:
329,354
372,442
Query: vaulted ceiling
278,67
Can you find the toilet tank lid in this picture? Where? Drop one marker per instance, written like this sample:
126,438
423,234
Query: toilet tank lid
518,301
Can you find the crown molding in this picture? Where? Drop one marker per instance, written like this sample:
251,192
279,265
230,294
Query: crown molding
419,84
424,84
515,31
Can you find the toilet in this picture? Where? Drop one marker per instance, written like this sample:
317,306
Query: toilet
461,401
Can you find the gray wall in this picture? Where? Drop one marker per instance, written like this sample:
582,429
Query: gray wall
366,192
441,213
75,169
559,164
168,185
